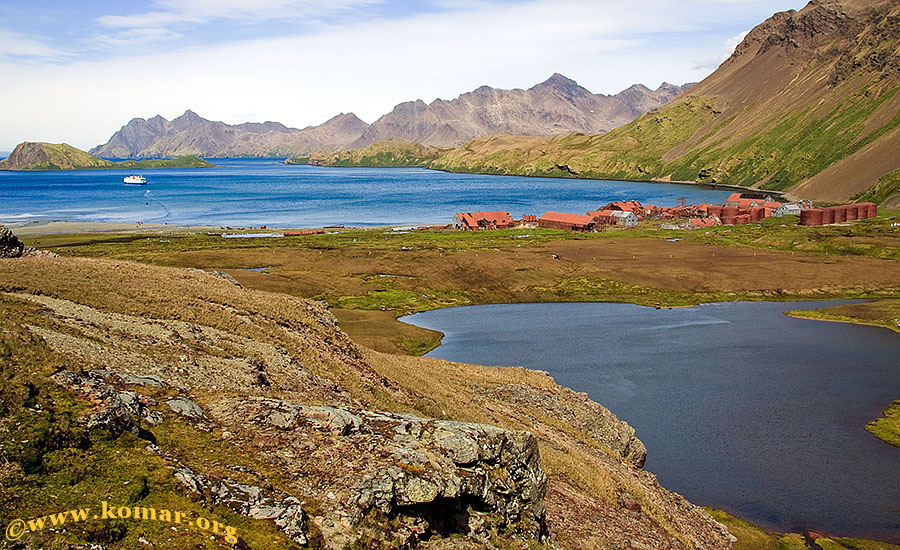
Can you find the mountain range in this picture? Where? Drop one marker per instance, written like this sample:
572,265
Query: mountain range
556,106
808,103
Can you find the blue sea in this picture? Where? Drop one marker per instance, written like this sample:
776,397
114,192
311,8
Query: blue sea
248,192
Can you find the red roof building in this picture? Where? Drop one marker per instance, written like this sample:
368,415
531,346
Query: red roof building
484,220
568,222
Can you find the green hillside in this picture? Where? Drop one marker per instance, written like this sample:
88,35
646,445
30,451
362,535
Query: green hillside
392,152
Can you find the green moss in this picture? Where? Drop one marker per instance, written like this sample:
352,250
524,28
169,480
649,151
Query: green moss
389,153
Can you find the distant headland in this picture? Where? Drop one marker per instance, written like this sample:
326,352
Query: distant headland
37,156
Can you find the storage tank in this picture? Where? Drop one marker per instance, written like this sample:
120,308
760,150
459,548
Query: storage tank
811,216
851,211
742,219
840,215
862,211
871,209
828,215
715,210
757,213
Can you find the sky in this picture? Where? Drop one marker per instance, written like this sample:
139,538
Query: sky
76,72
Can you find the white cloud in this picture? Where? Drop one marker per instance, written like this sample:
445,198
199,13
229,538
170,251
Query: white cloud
204,11
733,43
712,63
16,45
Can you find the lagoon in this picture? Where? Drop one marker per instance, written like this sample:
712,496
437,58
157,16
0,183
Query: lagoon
253,192
740,406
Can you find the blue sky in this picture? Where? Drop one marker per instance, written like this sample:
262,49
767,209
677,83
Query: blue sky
76,72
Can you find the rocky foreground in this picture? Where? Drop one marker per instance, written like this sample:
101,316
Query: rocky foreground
255,409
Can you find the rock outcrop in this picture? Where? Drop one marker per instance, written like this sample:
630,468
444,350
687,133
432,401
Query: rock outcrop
10,245
114,411
414,467
553,107
248,500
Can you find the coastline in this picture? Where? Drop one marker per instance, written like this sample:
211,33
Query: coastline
576,177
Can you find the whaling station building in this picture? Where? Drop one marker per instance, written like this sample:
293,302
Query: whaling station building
739,209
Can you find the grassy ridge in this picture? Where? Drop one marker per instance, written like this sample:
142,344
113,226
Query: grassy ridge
393,152
633,151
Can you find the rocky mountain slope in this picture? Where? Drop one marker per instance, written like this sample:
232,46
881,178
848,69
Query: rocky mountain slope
37,156
553,107
155,387
556,106
807,103
191,134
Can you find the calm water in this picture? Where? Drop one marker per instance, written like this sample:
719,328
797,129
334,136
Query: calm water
256,192
740,407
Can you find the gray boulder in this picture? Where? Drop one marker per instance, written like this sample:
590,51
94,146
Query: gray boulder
186,407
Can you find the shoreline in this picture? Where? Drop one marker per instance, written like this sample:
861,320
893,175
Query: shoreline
712,186
65,227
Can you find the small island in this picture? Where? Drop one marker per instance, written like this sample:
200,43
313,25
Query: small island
38,156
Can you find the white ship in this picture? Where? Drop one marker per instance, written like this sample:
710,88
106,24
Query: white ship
135,180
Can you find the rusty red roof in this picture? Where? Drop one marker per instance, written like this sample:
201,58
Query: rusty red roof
498,218
562,217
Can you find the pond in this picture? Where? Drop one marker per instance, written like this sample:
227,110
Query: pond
740,407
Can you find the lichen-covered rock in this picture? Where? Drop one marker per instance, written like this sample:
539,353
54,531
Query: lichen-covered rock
128,378
248,500
186,407
115,411
399,465
284,414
